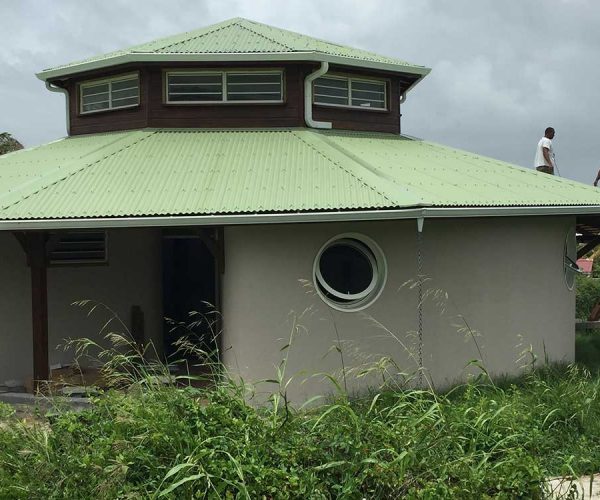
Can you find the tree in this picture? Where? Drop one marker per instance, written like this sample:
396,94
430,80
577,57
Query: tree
8,143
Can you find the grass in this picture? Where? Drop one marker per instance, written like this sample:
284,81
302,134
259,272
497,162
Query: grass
148,440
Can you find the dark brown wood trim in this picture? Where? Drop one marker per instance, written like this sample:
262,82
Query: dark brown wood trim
35,244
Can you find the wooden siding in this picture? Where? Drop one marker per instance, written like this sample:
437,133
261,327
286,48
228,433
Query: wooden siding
227,115
154,112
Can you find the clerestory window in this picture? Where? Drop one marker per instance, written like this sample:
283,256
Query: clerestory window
213,87
109,93
349,92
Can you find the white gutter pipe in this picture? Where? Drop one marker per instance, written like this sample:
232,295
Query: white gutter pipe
290,218
308,97
65,92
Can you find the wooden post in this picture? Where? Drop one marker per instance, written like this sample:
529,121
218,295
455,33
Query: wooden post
34,244
39,306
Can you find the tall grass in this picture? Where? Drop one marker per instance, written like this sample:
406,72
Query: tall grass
161,437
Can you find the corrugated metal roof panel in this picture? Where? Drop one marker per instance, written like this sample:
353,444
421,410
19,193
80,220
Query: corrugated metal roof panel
445,176
242,36
204,172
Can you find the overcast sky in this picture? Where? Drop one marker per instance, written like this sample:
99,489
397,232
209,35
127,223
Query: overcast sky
502,70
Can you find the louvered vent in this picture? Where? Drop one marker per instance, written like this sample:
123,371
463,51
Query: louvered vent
78,247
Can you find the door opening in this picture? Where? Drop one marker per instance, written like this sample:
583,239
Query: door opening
190,294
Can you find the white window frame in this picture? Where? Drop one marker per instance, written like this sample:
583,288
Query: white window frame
363,299
110,81
223,74
350,79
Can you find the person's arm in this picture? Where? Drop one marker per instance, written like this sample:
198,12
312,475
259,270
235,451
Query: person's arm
597,178
546,152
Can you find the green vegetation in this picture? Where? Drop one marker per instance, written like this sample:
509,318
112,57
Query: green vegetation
153,440
588,295
8,143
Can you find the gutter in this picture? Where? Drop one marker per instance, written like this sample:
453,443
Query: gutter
312,56
292,218
65,92
308,97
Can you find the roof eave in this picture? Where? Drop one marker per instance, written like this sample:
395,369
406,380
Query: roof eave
290,218
51,74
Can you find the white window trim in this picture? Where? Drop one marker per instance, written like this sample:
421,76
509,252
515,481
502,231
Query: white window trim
223,74
368,296
350,79
110,81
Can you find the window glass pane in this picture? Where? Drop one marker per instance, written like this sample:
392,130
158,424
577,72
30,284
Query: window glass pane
368,94
95,106
126,101
253,87
368,86
95,98
94,89
346,268
262,78
331,91
124,97
332,82
199,79
195,96
340,101
195,87
125,84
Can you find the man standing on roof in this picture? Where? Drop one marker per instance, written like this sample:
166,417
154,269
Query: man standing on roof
544,154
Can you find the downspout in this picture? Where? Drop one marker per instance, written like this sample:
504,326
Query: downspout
65,92
308,97
400,102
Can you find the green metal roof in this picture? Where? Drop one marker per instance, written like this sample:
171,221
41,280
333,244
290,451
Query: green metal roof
238,39
167,172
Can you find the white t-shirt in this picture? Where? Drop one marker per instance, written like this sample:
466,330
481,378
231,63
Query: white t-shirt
539,153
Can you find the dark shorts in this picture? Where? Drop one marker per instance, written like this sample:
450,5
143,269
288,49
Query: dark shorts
546,169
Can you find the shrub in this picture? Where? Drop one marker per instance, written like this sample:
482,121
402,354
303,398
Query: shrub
476,441
588,295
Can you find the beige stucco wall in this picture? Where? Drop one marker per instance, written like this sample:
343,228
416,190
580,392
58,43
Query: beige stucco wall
504,276
132,277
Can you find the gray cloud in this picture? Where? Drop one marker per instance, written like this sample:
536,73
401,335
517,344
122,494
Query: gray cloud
502,71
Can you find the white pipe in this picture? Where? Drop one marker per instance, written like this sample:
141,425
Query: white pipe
308,97
65,92
288,218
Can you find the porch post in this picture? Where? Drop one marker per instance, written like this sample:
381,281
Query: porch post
39,308
34,244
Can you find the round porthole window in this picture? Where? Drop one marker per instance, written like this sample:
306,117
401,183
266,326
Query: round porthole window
570,258
349,272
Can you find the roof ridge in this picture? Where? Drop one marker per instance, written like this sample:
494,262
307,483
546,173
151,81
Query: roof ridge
195,34
39,185
264,36
360,178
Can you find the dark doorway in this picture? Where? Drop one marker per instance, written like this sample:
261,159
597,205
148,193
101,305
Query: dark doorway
189,293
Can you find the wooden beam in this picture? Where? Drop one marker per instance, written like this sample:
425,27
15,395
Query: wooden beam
588,247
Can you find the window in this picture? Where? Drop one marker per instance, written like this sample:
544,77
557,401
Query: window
195,87
349,272
114,93
350,92
77,247
571,268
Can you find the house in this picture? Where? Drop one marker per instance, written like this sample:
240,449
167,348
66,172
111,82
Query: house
264,171
586,266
